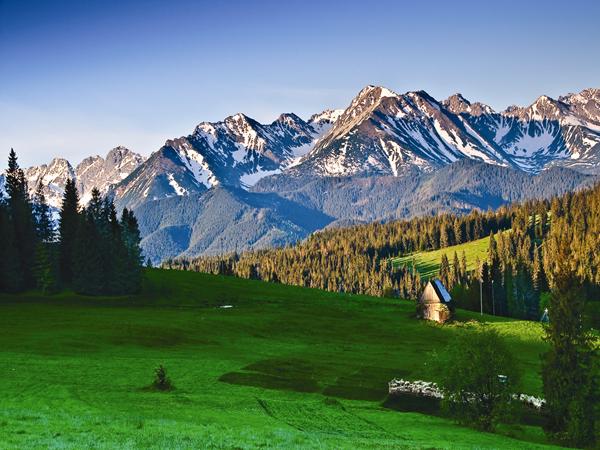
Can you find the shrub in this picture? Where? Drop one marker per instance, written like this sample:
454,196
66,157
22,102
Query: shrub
477,375
161,381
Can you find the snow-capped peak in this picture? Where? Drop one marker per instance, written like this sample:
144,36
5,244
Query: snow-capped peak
93,171
380,131
328,116
288,119
457,103
377,92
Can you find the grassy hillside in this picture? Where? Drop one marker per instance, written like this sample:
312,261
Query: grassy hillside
283,367
428,263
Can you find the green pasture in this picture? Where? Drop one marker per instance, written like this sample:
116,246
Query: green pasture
283,367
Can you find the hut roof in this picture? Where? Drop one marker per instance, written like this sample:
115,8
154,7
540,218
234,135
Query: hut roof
441,291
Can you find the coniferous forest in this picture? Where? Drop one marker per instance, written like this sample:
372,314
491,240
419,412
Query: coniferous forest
514,280
91,251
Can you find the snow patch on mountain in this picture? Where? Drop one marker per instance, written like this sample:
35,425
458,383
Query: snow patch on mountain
176,186
250,179
197,165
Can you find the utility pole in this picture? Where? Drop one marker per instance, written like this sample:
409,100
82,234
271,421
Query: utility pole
493,302
481,295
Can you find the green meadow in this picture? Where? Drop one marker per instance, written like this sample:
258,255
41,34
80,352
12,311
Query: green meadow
283,367
428,262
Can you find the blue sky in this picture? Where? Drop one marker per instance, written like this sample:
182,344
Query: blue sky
80,77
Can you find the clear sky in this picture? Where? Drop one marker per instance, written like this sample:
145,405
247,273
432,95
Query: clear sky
80,77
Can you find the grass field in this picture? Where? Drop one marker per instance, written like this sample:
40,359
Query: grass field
284,367
428,263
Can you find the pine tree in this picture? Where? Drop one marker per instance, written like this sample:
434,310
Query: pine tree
459,235
445,272
456,270
10,273
444,239
87,269
538,277
497,299
463,266
41,211
568,372
45,265
131,240
19,209
68,222
118,273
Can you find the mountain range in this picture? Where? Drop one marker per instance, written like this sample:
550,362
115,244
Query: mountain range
239,184
93,171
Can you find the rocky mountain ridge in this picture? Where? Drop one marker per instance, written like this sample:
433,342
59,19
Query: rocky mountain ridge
240,184
93,171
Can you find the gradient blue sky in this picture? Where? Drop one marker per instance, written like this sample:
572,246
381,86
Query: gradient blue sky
80,77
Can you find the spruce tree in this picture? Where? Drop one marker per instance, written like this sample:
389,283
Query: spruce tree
45,265
463,266
10,274
131,240
119,270
445,271
496,297
19,209
68,223
456,270
87,269
44,227
568,372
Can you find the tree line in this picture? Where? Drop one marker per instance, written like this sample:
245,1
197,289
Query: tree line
92,251
354,259
517,275
514,279
541,254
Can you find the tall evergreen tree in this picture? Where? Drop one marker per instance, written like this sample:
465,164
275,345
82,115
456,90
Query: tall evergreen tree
568,373
497,299
88,268
463,266
41,212
10,271
457,276
135,259
537,273
19,209
445,271
45,265
68,223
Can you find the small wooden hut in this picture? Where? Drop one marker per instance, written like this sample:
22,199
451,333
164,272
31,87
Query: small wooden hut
435,302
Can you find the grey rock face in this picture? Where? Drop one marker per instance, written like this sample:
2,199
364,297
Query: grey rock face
53,177
236,152
103,173
382,132
94,171
240,184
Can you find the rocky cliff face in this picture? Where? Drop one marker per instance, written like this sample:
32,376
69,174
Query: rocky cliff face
382,132
238,184
94,171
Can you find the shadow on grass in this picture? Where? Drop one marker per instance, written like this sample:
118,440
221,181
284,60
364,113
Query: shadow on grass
365,383
414,403
282,374
523,414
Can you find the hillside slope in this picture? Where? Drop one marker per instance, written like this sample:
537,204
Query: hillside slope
223,220
427,263
282,367
458,188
